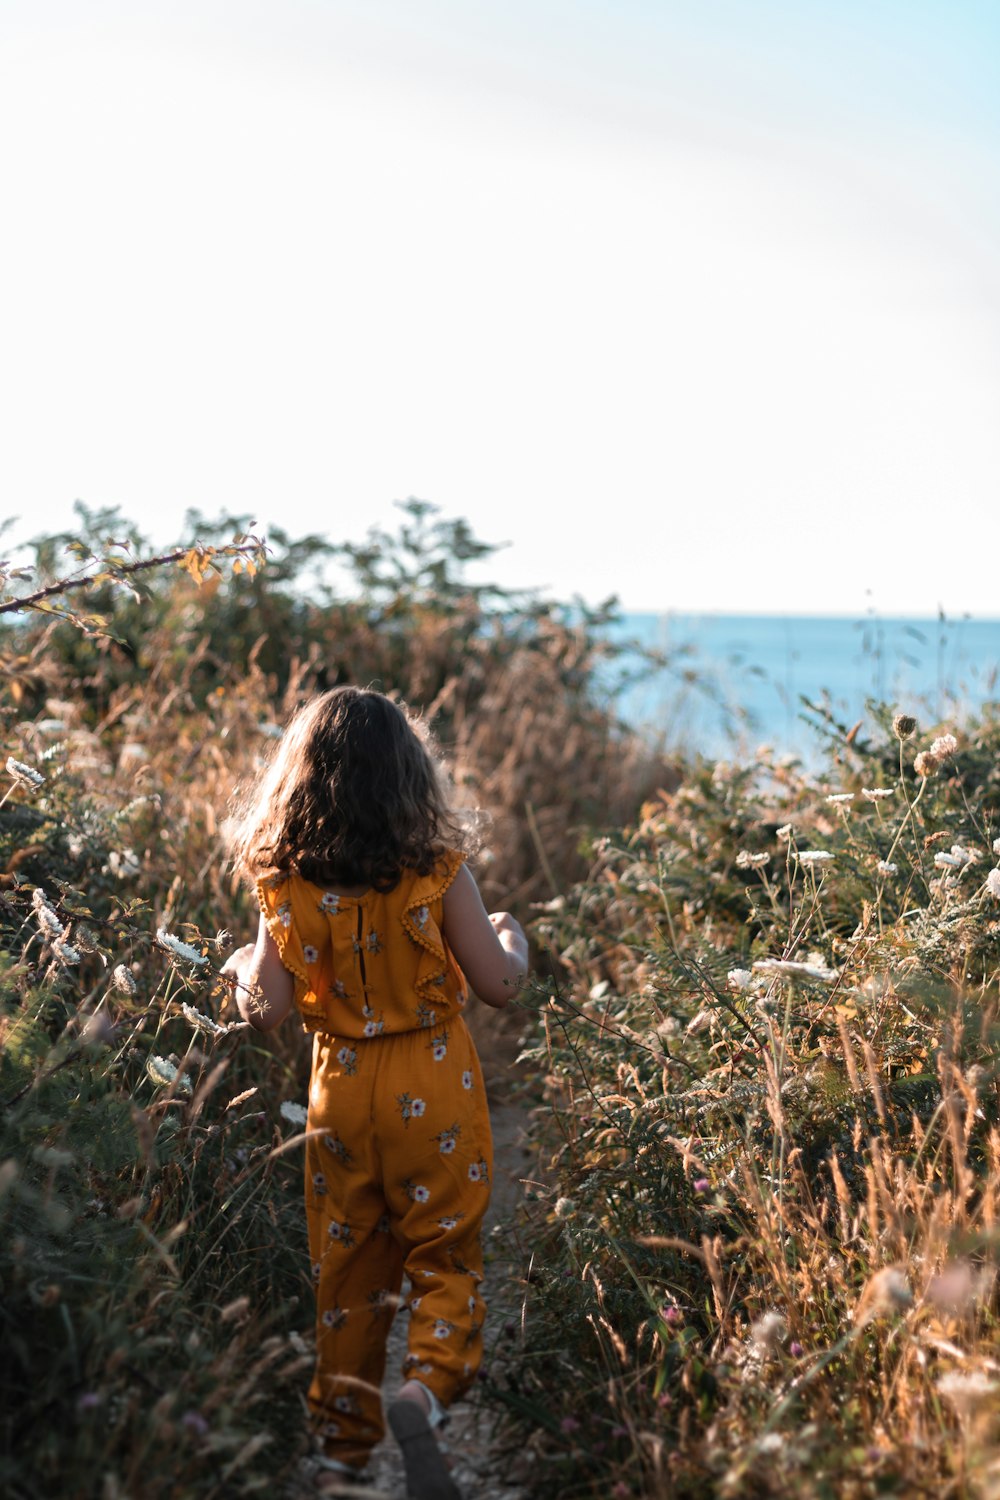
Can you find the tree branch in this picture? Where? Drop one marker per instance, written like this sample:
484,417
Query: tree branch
29,601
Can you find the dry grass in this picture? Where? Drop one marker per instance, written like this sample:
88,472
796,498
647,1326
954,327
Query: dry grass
156,1315
765,1255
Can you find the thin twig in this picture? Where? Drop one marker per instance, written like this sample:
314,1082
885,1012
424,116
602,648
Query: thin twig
65,585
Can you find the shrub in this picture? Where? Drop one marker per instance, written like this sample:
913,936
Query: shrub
764,1261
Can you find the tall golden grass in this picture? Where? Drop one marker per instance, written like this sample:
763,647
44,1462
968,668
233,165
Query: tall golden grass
764,1260
156,1313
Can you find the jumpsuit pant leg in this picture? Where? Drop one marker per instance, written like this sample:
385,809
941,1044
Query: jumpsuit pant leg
436,1153
398,1178
357,1265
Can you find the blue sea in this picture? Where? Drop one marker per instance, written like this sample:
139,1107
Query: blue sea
731,682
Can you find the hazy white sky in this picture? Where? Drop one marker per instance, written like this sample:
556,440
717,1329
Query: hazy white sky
696,305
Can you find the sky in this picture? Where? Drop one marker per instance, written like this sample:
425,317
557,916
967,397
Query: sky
698,305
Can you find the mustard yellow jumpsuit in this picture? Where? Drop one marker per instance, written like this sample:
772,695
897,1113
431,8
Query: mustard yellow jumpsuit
399,1160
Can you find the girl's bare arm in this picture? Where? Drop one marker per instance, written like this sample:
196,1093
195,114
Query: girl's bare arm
265,988
491,948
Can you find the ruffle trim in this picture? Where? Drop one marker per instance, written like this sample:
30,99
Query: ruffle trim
284,937
420,927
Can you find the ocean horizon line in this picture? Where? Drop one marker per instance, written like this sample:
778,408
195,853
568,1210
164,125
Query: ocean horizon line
943,618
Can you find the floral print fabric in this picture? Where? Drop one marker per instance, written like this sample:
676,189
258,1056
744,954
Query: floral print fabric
371,965
398,1167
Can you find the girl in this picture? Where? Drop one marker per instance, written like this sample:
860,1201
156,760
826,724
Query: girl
371,924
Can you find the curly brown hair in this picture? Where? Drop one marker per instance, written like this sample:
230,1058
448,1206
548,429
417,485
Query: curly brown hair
352,796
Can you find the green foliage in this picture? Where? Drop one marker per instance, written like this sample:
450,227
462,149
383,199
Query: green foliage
212,651
770,1125
152,1252
130,1215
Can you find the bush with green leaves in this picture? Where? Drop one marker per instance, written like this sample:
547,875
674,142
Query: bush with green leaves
764,1262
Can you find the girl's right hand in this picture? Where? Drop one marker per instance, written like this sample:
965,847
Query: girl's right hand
490,947
504,922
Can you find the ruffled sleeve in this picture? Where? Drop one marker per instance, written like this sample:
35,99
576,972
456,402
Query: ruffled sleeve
437,972
277,897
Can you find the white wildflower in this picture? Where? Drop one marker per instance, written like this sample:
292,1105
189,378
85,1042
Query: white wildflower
784,833
968,1392
886,867
565,1208
771,1442
122,865
876,793
945,744
47,919
746,860
996,846
122,980
164,1073
65,952
24,775
202,1022
815,856
888,1291
295,1114
739,979
50,726
177,948
791,969
841,797
993,884
957,859
768,1332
